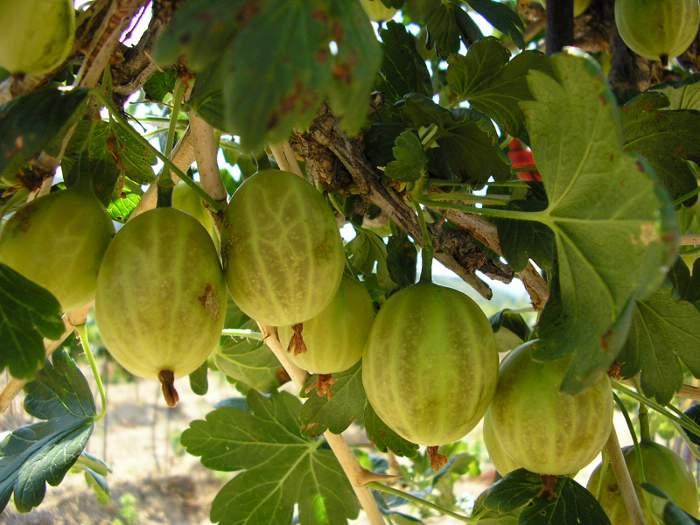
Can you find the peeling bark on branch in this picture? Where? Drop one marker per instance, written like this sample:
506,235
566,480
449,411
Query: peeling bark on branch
326,146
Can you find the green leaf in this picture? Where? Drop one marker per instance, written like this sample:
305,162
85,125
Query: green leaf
27,312
249,362
671,513
468,143
613,222
120,209
132,158
525,240
543,500
355,65
684,94
201,30
403,70
274,67
572,505
199,380
366,250
384,438
448,25
401,259
494,85
666,138
512,492
502,17
30,123
161,82
336,412
43,452
663,331
279,467
410,160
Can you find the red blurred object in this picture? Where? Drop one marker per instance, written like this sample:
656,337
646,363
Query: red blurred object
521,157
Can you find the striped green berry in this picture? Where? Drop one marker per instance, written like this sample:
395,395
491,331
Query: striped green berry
541,428
161,296
58,242
282,252
431,365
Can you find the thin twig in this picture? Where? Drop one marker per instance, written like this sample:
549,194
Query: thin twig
624,481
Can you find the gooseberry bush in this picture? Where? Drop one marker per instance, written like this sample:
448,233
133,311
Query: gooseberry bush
179,172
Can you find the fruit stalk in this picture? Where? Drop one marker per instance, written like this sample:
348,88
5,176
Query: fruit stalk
165,181
206,147
624,480
83,334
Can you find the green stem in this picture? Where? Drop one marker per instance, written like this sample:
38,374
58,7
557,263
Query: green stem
242,332
681,419
165,181
121,121
430,136
686,196
496,200
380,487
630,427
82,332
488,212
644,430
426,273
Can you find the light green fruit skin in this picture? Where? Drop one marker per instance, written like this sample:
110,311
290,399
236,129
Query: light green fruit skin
431,365
336,337
185,199
283,256
656,28
499,457
580,6
543,429
377,11
58,242
662,468
37,35
161,296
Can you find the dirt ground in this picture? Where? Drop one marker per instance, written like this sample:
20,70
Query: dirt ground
153,480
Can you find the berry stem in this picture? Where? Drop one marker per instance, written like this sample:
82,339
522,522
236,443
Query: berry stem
487,212
83,333
426,273
165,181
680,419
633,434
